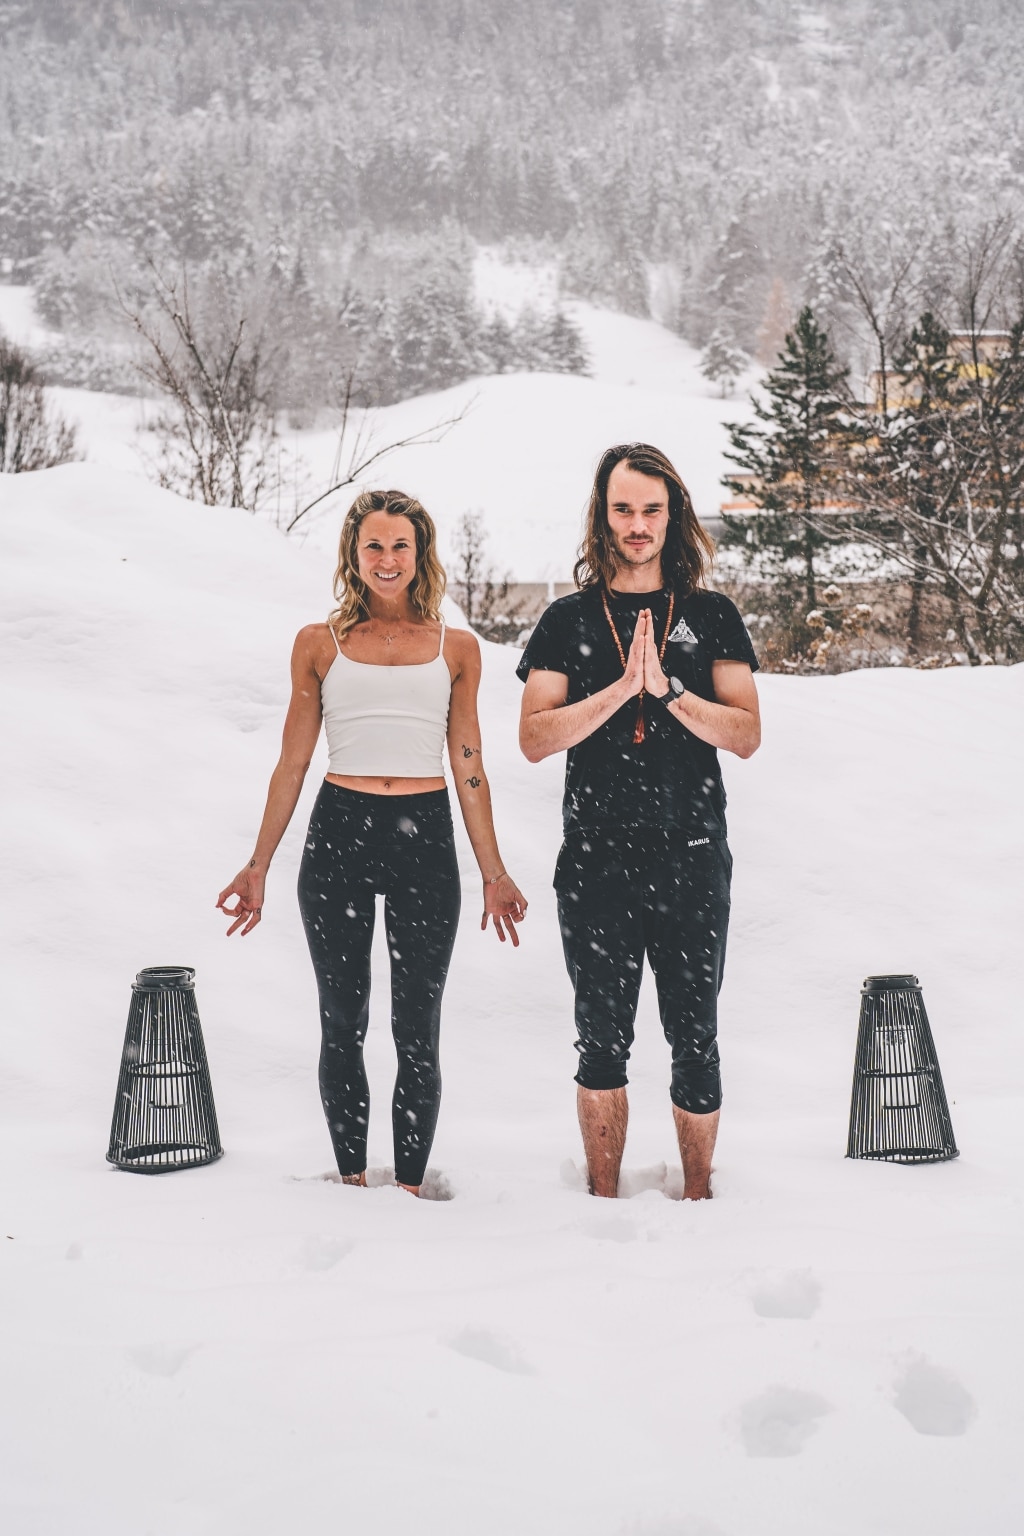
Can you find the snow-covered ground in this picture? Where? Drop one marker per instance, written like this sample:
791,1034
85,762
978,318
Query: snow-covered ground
523,454
829,1348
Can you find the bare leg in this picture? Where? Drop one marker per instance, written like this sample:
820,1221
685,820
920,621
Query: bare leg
355,1178
697,1135
603,1114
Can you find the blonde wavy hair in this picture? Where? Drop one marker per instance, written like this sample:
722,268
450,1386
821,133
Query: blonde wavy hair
350,590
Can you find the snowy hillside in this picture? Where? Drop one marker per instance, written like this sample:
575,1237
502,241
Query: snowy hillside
523,454
828,1349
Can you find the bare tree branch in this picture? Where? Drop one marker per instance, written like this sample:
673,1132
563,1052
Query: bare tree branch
362,454
216,439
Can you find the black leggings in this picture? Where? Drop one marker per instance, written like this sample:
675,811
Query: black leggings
621,895
403,847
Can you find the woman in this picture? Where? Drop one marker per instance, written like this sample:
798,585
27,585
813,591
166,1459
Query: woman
390,681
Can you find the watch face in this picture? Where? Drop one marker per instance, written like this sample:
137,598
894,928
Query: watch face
676,686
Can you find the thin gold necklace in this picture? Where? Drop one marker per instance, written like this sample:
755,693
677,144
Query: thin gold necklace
640,729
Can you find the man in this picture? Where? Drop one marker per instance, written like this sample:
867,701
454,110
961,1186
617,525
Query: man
640,676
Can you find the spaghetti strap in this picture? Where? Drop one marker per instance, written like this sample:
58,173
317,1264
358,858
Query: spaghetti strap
440,649
334,637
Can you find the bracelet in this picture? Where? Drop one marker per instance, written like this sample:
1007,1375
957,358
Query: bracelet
500,876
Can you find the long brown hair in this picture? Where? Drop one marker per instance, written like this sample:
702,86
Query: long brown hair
689,548
350,590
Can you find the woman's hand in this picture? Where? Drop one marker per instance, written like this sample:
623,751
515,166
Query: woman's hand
504,905
247,888
655,681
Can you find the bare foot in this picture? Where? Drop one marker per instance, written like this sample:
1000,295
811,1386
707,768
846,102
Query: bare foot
355,1178
414,1189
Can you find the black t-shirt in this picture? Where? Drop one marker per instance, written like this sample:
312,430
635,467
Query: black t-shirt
671,779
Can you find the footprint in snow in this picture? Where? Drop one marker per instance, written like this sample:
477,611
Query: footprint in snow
491,1349
321,1251
797,1294
161,1359
780,1421
932,1400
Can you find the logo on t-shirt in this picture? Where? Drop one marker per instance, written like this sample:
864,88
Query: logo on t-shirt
683,634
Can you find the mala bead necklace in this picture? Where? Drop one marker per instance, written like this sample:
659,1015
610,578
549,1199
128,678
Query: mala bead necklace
640,729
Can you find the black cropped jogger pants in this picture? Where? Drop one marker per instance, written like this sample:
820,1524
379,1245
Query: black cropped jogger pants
403,848
627,893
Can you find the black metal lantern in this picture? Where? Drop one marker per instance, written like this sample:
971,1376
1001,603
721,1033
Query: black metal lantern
898,1112
164,1117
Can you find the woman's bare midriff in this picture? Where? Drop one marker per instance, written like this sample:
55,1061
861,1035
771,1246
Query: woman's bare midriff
377,786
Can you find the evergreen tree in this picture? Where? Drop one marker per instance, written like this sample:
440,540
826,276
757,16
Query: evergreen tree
722,361
786,459
565,346
434,339
927,378
529,341
497,343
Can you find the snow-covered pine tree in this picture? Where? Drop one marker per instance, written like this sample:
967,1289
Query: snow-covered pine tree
566,350
498,345
927,376
786,459
528,341
435,338
722,361
543,343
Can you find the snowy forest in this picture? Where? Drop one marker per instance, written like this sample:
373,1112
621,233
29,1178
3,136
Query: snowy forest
697,161
320,177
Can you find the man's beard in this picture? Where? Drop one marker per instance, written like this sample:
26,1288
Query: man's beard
638,554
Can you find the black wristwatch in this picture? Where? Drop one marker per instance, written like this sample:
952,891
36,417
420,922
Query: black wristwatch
675,691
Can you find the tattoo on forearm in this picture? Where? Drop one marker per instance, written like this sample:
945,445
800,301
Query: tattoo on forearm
470,751
474,783
252,863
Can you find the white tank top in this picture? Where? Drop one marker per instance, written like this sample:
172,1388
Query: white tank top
386,722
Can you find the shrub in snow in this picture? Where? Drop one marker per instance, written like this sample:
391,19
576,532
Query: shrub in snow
32,434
